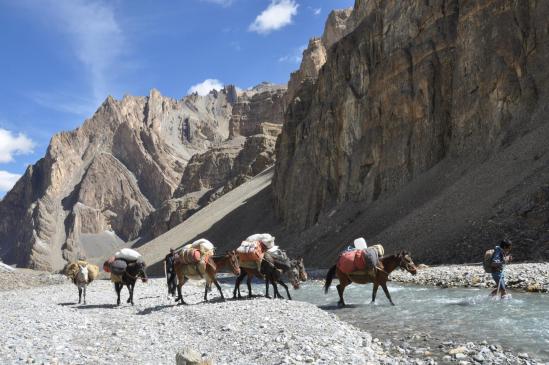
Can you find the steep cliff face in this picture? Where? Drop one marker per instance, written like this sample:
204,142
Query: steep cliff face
210,175
253,108
417,85
122,165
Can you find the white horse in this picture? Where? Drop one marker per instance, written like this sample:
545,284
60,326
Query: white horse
82,280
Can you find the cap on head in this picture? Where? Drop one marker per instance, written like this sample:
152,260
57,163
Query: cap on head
505,243
172,250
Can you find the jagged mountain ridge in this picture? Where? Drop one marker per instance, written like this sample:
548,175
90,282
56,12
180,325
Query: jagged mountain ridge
122,165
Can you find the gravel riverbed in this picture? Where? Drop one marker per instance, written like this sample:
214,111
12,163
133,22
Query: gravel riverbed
44,325
532,277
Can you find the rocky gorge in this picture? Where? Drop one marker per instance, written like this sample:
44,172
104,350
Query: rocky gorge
424,129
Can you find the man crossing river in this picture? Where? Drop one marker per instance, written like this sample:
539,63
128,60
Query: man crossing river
500,257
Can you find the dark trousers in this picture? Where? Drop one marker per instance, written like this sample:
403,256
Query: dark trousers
172,282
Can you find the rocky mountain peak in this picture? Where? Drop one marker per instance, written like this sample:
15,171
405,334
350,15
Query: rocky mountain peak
108,176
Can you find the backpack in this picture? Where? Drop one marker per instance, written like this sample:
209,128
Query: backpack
487,263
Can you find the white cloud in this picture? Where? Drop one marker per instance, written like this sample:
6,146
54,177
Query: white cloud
317,11
7,180
278,14
224,3
205,87
11,144
295,56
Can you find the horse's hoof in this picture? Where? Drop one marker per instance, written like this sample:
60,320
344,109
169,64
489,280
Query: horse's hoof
340,304
268,296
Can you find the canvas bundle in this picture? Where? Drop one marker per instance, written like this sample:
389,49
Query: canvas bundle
205,247
188,256
128,254
250,251
118,267
73,268
278,258
265,238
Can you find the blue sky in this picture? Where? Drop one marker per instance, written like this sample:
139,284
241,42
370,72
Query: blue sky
61,58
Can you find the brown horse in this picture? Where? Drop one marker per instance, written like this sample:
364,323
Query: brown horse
207,271
387,264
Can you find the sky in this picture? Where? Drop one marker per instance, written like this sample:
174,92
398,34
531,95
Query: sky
60,59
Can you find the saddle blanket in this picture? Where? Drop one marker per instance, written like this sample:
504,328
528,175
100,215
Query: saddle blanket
358,260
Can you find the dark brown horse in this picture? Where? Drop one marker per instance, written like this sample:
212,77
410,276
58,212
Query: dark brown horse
387,264
134,270
271,271
207,271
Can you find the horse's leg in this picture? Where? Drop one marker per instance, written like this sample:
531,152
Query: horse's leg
206,287
267,289
129,292
79,294
285,287
133,288
219,289
343,282
85,285
236,291
179,286
384,287
374,291
118,288
249,283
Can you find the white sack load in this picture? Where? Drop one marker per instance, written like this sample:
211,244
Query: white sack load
204,246
266,238
247,247
274,249
128,254
360,244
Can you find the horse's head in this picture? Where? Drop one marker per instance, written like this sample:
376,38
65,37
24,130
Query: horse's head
82,275
300,265
297,273
232,259
140,271
406,262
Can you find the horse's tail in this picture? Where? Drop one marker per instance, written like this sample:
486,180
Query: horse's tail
329,277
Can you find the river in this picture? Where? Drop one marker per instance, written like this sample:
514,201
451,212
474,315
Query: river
428,317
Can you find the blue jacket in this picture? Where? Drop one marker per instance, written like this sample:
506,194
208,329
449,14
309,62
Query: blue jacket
498,258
